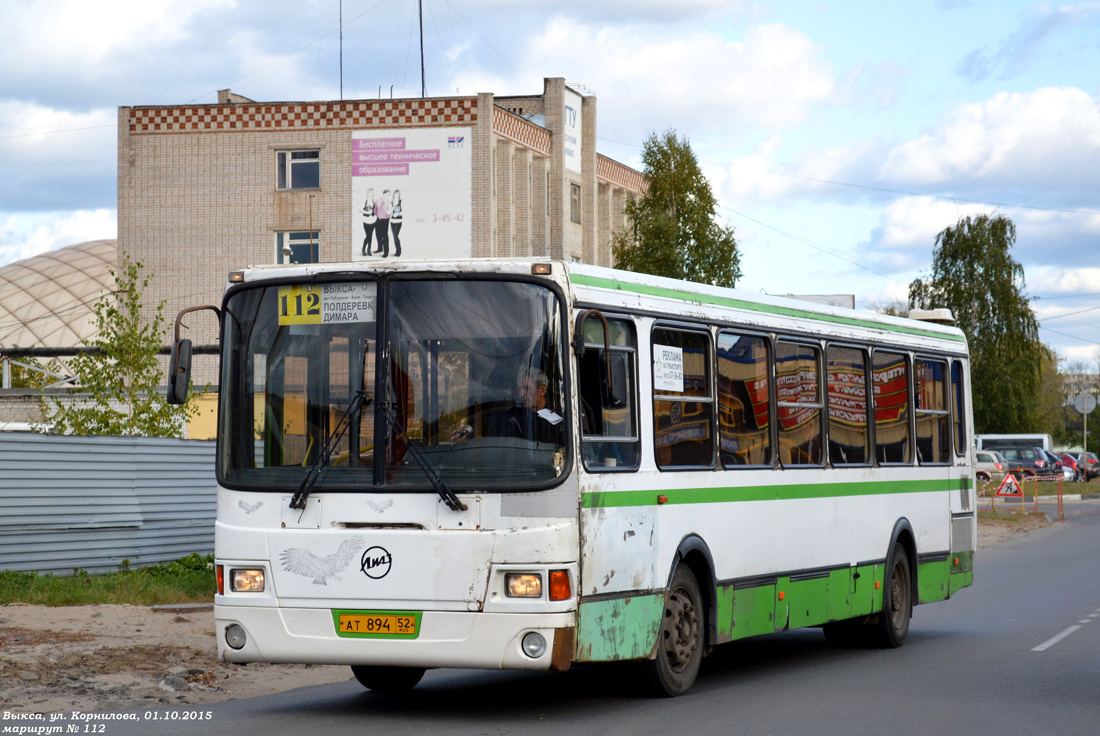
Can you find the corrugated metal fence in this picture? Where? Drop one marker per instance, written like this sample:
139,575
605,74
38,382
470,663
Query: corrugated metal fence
92,502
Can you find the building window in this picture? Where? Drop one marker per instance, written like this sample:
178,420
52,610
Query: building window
298,246
575,202
298,169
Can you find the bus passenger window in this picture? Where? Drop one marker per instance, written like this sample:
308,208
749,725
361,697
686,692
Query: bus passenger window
957,407
933,440
798,390
683,409
891,384
846,376
609,429
744,402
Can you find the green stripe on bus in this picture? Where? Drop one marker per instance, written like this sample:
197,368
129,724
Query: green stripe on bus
780,492
722,301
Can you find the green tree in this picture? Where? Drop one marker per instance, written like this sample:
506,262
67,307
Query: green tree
673,228
121,373
974,276
27,372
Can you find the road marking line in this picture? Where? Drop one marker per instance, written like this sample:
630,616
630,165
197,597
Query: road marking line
1085,621
1051,642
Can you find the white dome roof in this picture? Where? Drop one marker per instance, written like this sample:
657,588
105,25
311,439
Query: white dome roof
46,300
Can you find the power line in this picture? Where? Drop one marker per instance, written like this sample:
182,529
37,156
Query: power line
55,132
816,246
1070,314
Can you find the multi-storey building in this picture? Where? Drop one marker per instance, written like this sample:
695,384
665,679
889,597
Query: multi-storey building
204,189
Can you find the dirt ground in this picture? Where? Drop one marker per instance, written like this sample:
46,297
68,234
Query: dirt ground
98,658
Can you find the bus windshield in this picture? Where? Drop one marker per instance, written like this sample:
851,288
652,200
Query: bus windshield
379,383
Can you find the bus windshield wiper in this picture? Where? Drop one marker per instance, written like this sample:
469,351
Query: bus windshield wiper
454,503
360,401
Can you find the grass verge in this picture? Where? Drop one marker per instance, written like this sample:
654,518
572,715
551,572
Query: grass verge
1013,519
187,580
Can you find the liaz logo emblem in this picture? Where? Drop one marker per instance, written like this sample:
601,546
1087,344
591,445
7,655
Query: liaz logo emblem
376,563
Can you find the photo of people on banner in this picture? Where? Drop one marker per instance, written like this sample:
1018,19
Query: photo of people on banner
415,176
382,217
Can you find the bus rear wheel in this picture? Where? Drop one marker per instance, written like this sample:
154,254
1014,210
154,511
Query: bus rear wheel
387,679
892,625
681,639
897,601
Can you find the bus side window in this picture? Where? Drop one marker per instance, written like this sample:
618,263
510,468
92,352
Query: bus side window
744,402
609,426
683,407
957,405
798,394
846,386
890,376
933,434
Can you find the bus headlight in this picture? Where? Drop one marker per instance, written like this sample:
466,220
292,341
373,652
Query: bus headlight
246,581
523,585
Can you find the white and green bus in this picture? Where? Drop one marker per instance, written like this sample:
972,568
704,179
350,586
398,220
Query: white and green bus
525,464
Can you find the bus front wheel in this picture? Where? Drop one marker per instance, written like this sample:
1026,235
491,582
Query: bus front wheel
681,639
387,679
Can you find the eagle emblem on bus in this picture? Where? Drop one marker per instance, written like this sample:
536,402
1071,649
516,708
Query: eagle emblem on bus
303,562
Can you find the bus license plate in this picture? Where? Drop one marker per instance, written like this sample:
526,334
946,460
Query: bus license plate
403,625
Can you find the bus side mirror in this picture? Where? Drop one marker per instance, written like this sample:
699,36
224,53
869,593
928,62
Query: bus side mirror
179,372
614,381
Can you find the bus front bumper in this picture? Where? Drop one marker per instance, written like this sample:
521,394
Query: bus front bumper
463,639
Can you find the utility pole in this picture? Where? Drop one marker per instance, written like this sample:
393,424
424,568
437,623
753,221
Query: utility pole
341,50
423,86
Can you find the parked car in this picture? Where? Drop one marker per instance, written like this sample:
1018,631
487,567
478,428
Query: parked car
1025,462
990,464
1070,462
1090,464
1056,467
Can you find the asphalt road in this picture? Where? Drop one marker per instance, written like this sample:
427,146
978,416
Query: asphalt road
1017,653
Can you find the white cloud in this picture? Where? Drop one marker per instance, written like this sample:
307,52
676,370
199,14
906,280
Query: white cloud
76,37
893,293
1032,139
692,80
1062,280
1088,354
23,236
632,10
54,159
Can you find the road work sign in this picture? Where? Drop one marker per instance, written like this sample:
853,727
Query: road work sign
1010,487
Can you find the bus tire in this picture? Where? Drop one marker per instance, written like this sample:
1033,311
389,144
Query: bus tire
897,601
889,627
681,639
387,679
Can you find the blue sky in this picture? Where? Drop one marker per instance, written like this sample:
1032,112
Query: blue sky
840,137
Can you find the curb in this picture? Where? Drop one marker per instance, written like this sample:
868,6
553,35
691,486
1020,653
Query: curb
182,607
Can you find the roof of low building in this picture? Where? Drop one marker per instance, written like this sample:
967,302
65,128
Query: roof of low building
47,300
